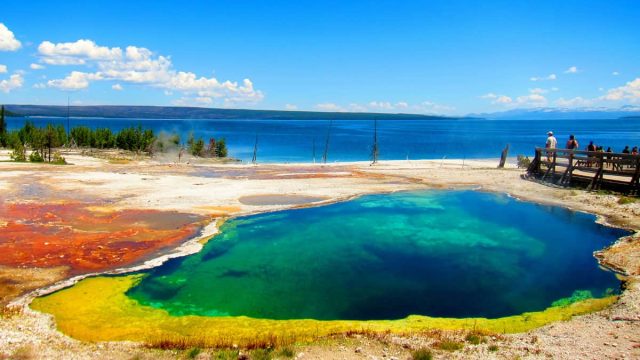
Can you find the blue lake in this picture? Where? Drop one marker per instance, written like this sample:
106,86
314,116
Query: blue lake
351,140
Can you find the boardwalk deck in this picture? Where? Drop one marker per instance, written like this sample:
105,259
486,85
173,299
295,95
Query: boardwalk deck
593,169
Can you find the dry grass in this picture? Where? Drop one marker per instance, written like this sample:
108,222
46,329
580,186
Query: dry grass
449,345
270,341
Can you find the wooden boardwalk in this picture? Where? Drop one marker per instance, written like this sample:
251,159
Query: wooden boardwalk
593,169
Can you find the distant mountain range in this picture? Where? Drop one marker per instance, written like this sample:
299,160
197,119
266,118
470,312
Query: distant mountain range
170,112
627,111
173,112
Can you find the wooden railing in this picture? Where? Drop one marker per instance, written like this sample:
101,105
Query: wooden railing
596,168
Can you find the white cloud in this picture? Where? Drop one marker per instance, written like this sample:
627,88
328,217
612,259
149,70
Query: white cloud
8,41
425,107
615,73
36,67
116,87
497,99
574,102
290,107
572,70
531,100
76,53
629,91
503,99
141,66
40,86
3,69
543,78
15,81
75,81
538,91
205,100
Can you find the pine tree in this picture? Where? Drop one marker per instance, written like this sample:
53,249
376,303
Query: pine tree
3,124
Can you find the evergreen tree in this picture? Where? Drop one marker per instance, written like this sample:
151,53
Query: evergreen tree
3,125
221,148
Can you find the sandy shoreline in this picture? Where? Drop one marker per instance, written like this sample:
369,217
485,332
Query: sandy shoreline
215,191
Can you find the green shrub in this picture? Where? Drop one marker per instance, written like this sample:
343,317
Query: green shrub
193,352
623,200
493,348
421,354
226,355
261,354
19,153
36,157
58,159
450,345
523,161
474,339
286,352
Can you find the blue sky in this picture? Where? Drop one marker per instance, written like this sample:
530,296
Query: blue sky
444,57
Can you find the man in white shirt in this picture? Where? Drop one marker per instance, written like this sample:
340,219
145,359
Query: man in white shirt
552,142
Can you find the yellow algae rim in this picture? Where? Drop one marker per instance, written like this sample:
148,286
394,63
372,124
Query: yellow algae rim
97,309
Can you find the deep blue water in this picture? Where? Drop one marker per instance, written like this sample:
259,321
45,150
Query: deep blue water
351,140
438,253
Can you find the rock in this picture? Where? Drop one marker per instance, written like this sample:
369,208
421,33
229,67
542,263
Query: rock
358,350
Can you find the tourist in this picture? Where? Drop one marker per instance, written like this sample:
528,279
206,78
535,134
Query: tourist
634,151
609,150
552,142
591,148
572,144
626,150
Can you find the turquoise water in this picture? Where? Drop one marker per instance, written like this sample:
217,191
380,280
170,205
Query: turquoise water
437,253
351,140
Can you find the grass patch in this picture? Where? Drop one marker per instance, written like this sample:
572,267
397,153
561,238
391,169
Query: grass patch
193,352
450,345
261,354
623,200
493,348
286,352
421,354
226,355
474,339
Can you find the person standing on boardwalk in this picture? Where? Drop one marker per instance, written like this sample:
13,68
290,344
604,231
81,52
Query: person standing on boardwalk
552,142
591,147
572,144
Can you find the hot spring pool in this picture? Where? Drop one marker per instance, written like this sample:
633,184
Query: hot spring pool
436,253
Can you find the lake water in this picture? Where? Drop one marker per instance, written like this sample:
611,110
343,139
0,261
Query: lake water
351,140
437,253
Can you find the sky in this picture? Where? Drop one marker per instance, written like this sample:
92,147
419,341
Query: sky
433,57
